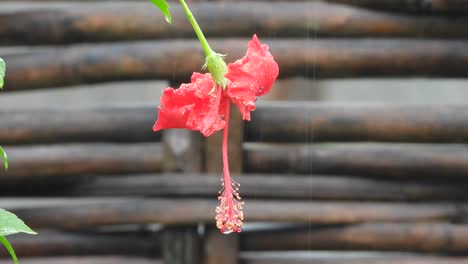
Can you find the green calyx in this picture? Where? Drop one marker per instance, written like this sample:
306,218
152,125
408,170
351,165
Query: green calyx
217,68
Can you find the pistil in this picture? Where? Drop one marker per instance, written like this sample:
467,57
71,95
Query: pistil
229,215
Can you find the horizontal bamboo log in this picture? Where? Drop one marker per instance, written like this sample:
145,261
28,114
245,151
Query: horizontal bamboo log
73,159
429,238
55,243
420,237
420,6
81,213
426,160
255,186
177,59
362,159
338,259
252,259
306,122
272,122
112,124
131,21
90,260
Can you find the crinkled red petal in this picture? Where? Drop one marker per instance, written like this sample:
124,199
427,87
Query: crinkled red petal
192,106
251,76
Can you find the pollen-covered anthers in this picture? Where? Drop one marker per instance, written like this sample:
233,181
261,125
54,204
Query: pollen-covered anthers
229,215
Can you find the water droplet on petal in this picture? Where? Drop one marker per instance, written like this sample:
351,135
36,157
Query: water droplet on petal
227,231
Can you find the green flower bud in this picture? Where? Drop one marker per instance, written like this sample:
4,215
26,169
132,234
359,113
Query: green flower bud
217,67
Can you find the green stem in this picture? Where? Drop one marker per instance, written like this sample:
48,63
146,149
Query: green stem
9,248
206,47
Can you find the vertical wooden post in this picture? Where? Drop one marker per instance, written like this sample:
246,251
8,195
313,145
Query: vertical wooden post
213,157
183,149
219,248
181,245
183,152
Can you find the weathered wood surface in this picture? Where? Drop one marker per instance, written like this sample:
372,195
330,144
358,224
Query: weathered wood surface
84,159
182,151
420,6
316,122
217,247
177,59
82,213
271,121
410,161
91,260
420,237
412,237
131,21
310,258
181,245
56,243
320,187
213,146
261,259
111,124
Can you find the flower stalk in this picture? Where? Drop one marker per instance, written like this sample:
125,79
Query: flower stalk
201,37
214,61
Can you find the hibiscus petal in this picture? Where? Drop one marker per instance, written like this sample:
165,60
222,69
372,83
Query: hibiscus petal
173,118
192,106
251,76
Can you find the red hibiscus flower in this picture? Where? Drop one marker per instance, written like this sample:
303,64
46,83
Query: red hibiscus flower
204,106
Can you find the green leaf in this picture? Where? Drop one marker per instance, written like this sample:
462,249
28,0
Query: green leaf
164,7
11,224
4,157
2,72
9,248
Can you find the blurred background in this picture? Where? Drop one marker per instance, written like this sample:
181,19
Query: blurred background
357,155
